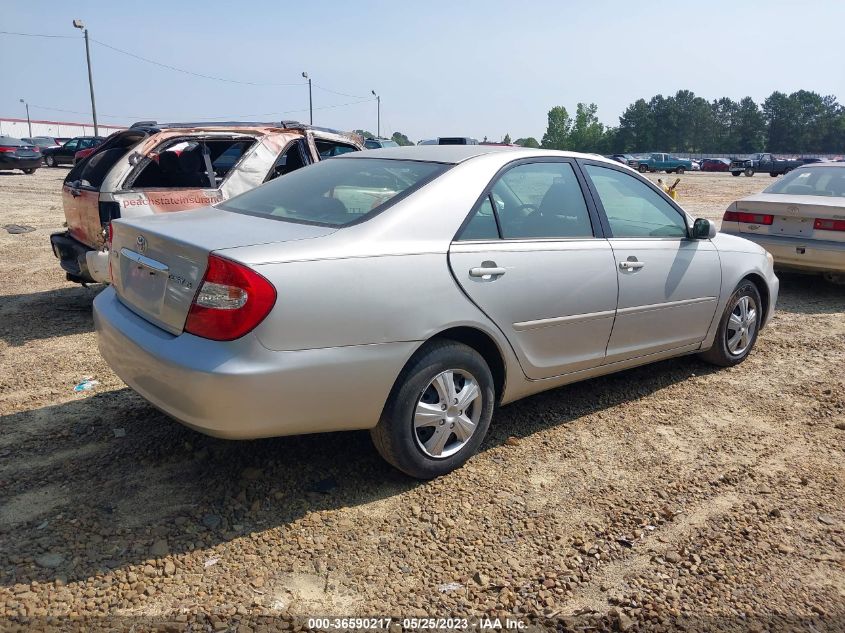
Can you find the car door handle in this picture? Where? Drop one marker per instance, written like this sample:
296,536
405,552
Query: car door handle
631,265
75,193
485,272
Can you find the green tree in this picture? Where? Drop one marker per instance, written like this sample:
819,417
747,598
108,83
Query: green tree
528,142
636,128
507,139
401,139
365,134
586,132
557,133
749,128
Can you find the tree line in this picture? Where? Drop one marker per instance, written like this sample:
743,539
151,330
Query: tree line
803,122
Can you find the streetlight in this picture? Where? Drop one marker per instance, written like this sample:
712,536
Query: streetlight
310,103
28,124
378,113
77,24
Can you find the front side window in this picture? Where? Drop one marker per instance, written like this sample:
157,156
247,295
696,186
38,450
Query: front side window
815,181
71,145
336,192
541,200
633,208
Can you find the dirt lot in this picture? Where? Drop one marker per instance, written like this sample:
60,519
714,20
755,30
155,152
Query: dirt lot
670,496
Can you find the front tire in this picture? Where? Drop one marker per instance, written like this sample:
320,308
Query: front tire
735,173
438,411
643,169
680,170
29,170
738,327
749,171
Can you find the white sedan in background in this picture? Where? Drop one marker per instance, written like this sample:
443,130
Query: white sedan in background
800,220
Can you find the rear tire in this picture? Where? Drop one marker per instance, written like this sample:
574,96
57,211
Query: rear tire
50,162
29,170
444,378
738,327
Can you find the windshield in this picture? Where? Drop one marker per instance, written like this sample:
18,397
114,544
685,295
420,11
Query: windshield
336,192
812,181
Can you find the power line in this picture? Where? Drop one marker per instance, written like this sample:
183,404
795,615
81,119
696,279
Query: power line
190,72
342,94
210,118
64,37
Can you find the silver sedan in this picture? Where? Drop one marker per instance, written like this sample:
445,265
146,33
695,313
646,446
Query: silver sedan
410,290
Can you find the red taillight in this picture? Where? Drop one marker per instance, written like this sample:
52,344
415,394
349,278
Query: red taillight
747,218
823,224
231,301
4,149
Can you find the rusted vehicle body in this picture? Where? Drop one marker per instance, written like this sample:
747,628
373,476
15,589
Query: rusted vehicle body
163,168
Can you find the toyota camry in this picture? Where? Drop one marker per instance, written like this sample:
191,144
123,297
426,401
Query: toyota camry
412,290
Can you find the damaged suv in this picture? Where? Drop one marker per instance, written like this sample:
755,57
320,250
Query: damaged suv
160,168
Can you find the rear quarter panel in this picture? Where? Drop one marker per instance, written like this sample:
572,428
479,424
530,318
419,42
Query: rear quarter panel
365,300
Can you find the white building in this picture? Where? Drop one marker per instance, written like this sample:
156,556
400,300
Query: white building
18,128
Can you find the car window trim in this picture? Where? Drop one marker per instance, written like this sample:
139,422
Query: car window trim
592,211
583,162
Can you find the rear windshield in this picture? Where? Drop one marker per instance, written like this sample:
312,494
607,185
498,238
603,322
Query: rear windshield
336,192
812,181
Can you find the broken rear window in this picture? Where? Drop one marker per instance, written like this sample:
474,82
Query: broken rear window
191,163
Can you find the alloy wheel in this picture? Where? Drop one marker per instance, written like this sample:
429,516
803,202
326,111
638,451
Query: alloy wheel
741,325
447,413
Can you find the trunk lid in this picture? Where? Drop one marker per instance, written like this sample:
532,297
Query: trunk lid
793,216
158,261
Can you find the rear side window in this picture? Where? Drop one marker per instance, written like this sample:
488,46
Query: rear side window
336,192
633,208
182,163
328,149
541,201
482,223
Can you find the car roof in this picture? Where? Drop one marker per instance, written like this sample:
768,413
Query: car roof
454,154
434,153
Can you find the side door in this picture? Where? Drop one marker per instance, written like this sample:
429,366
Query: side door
531,255
66,152
669,284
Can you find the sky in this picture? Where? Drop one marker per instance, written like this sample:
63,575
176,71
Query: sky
442,68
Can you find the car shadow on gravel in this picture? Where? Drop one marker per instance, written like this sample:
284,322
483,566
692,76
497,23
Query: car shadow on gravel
90,485
809,294
48,314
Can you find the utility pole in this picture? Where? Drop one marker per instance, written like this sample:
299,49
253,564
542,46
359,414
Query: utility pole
28,123
77,24
378,113
310,102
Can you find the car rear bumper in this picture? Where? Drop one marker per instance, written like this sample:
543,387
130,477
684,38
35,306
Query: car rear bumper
242,390
72,255
13,162
801,254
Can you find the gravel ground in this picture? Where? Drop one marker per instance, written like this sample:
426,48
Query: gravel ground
669,496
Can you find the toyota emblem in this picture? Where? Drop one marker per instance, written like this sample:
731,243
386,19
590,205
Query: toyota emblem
141,244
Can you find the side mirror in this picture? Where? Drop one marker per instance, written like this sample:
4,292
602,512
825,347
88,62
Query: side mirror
703,229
